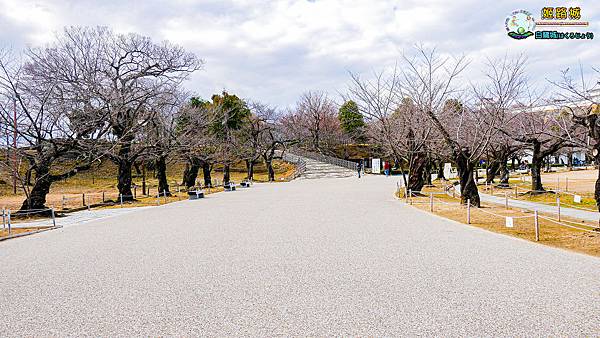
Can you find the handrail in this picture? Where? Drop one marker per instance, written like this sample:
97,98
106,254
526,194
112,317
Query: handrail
326,158
298,161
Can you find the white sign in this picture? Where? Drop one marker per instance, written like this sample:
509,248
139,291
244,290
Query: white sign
447,170
576,199
510,222
376,166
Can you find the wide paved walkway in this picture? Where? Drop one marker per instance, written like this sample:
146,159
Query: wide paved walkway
310,257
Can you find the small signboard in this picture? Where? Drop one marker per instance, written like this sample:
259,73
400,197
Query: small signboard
376,166
576,199
447,170
510,222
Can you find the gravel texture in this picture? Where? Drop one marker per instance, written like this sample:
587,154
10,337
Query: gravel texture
309,258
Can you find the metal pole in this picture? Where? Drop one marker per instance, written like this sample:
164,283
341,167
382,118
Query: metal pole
103,197
3,218
558,207
9,226
410,196
88,203
14,153
468,211
83,199
506,199
121,198
134,191
165,195
537,226
53,217
431,201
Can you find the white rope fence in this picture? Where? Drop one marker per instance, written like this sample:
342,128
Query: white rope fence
428,198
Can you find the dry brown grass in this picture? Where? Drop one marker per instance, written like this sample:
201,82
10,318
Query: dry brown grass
550,233
102,180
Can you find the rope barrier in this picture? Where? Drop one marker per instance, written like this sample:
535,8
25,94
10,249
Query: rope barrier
569,226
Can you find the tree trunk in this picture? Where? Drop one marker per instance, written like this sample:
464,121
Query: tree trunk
206,173
504,173
250,169
416,174
468,186
440,172
161,174
491,171
41,188
190,175
186,172
124,179
270,170
537,162
226,173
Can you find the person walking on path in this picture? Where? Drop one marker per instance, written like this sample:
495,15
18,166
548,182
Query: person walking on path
359,167
386,168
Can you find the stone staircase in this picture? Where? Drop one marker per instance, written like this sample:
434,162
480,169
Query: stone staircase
314,169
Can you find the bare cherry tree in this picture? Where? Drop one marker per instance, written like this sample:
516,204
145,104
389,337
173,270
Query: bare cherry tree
314,121
48,122
579,95
401,131
123,77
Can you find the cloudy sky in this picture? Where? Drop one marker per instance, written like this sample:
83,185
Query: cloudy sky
274,50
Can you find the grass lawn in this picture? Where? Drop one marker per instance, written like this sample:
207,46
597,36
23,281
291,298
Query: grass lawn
492,217
100,183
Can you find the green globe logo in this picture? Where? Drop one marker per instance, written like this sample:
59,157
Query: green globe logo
520,24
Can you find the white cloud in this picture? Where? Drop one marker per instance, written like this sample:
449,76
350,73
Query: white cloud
274,50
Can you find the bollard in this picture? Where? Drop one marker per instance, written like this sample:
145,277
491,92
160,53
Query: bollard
566,184
165,195
134,192
9,226
431,201
516,192
506,199
62,205
88,203
410,196
121,199
468,211
537,226
53,217
406,194
3,218
558,207
103,197
83,199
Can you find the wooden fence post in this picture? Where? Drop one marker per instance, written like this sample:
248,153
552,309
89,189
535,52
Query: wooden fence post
468,211
537,226
558,207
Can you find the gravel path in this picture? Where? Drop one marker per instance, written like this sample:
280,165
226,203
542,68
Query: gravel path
310,257
545,208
